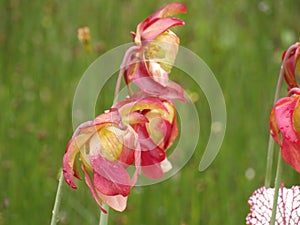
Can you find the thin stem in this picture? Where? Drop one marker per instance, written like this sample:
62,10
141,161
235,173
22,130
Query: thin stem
125,63
104,216
57,200
270,156
276,191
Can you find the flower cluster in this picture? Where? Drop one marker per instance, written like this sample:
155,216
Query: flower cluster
135,132
285,114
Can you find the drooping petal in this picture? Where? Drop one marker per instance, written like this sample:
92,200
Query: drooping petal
158,27
90,185
274,130
117,202
284,118
167,11
291,154
296,116
153,171
69,159
149,86
290,58
110,178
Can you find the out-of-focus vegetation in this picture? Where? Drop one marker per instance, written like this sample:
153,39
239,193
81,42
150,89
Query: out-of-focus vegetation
41,62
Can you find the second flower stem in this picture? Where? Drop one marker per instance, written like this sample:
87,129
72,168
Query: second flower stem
277,186
104,216
270,156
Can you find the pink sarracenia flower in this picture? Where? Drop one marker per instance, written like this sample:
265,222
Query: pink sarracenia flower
290,65
148,63
136,131
285,127
288,206
104,146
156,133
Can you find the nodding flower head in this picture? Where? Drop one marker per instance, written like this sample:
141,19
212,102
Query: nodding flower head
148,63
285,127
158,23
290,65
156,133
103,153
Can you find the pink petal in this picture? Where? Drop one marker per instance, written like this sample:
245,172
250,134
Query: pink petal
159,26
171,91
284,118
167,11
117,202
291,154
110,178
89,183
112,116
289,64
274,131
69,159
135,117
153,171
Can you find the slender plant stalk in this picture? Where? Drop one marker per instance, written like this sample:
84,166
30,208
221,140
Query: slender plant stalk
126,61
277,186
104,216
270,156
57,200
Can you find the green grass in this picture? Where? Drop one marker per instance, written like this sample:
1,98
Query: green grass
41,62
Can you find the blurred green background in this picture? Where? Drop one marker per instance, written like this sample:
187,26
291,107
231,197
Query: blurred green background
41,62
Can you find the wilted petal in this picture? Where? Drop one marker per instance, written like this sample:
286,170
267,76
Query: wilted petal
288,206
110,178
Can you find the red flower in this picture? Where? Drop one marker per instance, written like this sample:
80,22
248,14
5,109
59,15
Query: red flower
148,63
285,120
104,148
156,132
290,65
